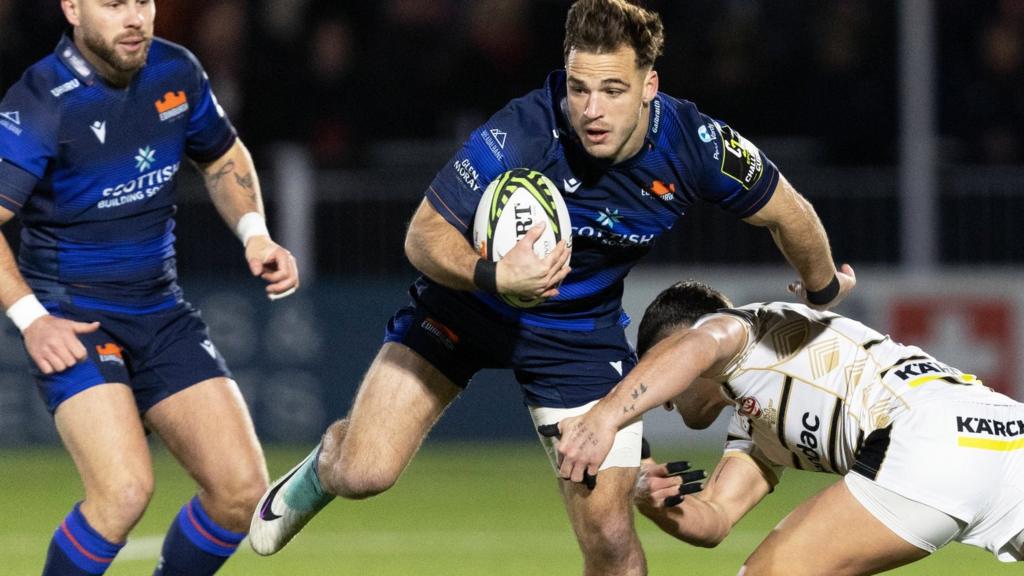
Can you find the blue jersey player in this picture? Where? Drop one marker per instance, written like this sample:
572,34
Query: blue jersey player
630,161
91,139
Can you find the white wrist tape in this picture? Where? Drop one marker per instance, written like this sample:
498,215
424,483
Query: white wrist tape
26,311
249,225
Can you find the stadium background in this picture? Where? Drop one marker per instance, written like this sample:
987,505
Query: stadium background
903,122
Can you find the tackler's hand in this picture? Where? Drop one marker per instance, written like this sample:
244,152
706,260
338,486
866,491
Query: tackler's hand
582,447
666,485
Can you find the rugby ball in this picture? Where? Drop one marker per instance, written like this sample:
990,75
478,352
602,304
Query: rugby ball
514,202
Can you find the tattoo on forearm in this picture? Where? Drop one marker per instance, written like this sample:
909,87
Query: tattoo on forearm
245,181
213,180
638,391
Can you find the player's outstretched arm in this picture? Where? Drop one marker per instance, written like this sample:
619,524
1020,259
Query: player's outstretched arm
667,370
666,496
52,342
235,191
797,231
441,252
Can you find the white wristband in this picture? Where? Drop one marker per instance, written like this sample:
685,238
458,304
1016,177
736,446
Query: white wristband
26,311
249,225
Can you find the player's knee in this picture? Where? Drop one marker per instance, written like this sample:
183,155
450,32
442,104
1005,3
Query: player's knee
121,503
235,501
608,542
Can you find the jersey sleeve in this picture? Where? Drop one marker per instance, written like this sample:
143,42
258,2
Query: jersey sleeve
517,136
210,134
15,186
732,172
29,121
739,444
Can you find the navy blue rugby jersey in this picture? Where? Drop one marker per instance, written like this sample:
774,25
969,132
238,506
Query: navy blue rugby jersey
90,170
618,211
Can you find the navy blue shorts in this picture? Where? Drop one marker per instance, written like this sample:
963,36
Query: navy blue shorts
156,354
556,368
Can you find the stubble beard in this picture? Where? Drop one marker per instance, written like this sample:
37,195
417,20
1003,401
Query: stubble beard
108,52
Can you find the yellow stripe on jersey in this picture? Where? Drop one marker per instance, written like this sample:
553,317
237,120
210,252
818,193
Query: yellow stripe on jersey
964,378
990,444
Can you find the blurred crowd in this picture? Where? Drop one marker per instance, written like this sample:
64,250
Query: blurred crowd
338,75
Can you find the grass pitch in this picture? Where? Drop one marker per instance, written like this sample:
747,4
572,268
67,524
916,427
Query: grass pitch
460,509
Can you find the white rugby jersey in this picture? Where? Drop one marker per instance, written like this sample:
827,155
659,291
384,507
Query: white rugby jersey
809,386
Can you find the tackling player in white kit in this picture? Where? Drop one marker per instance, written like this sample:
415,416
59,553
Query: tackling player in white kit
929,455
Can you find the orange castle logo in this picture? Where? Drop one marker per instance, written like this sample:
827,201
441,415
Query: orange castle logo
661,189
666,192
171,101
171,105
110,352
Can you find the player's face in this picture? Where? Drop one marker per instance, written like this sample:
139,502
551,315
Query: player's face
116,32
609,101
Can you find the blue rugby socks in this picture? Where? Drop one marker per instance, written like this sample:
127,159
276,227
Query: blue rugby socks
195,545
77,548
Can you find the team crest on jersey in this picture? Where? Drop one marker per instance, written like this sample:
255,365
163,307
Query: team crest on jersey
664,191
172,105
749,406
110,352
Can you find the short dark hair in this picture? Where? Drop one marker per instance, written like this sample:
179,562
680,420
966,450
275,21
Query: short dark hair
678,306
602,26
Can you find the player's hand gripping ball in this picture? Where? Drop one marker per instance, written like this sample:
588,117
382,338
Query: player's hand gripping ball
513,203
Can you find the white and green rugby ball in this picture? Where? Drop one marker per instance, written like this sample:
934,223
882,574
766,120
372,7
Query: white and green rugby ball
514,202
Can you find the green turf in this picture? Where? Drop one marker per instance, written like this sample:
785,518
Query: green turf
461,509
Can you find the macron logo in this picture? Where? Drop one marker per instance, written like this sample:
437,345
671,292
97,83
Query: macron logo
571,185
617,365
100,130
210,349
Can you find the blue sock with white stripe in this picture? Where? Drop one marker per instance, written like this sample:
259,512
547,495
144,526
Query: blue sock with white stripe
195,545
78,549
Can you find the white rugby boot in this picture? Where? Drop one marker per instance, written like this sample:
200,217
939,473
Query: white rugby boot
288,505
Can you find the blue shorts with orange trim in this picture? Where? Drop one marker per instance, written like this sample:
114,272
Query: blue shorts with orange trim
156,354
555,368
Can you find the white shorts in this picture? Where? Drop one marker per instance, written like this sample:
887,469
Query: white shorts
625,452
959,455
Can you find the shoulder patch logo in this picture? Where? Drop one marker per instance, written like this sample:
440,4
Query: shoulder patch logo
100,130
742,160
11,121
172,105
499,136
